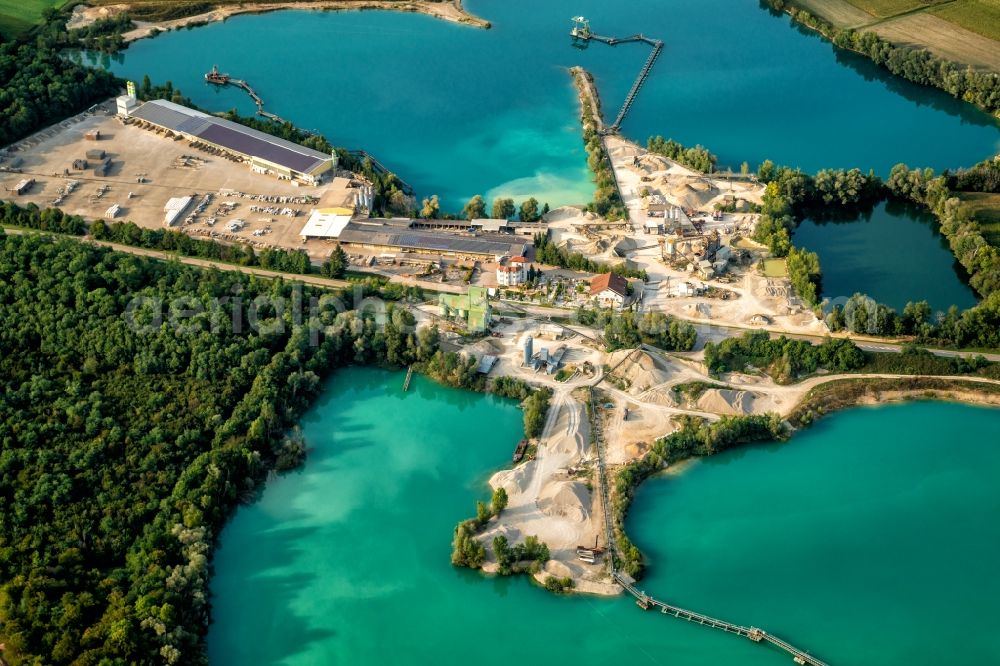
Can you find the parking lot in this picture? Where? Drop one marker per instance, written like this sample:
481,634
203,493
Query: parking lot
147,169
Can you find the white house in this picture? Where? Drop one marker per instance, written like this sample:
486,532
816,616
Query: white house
513,273
609,290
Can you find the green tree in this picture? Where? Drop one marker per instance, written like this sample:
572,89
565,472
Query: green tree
475,208
499,501
336,265
431,208
529,210
503,209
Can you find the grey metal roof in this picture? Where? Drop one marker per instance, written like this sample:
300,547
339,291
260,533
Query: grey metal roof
232,136
494,244
166,114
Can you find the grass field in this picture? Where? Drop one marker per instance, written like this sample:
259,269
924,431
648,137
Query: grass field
18,16
886,8
986,208
979,16
775,268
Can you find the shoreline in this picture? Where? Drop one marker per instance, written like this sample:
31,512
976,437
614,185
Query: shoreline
826,398
452,11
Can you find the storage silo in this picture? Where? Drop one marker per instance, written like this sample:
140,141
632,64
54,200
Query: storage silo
529,350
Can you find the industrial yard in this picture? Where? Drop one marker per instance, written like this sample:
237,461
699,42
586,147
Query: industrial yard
147,169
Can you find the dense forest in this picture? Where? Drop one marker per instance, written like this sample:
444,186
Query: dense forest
126,440
38,86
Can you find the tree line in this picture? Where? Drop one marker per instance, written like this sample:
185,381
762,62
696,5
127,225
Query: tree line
784,359
547,252
698,158
625,330
38,86
918,65
694,437
606,202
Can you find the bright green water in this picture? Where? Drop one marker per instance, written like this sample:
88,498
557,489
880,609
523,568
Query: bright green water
346,561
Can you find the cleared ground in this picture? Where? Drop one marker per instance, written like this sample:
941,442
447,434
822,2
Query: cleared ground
986,208
947,40
885,8
160,162
18,16
775,268
840,13
965,31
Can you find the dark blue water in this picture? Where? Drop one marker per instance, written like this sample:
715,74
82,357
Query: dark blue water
459,111
893,253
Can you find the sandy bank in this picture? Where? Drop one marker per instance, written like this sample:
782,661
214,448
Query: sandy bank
449,10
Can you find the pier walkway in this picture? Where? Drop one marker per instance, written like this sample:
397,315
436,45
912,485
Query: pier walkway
645,601
581,32
216,77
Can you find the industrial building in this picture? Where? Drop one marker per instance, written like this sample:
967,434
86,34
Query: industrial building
265,153
326,223
174,208
472,307
400,234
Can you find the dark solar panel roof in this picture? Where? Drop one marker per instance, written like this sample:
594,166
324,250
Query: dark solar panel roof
230,135
264,148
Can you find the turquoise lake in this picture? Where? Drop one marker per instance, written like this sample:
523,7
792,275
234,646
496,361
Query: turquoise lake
460,111
893,253
844,541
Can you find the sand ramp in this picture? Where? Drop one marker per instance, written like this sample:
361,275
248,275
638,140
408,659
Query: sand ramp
726,401
642,371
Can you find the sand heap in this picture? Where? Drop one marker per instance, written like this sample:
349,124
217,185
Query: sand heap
726,401
515,480
642,371
626,245
688,192
563,214
565,499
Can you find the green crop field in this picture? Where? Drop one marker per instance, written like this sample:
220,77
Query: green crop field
986,209
979,16
18,16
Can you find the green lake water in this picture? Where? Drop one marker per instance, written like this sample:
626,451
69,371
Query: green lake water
893,253
845,541
459,111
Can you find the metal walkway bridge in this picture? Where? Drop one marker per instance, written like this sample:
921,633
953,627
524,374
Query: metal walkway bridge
218,78
581,32
645,601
